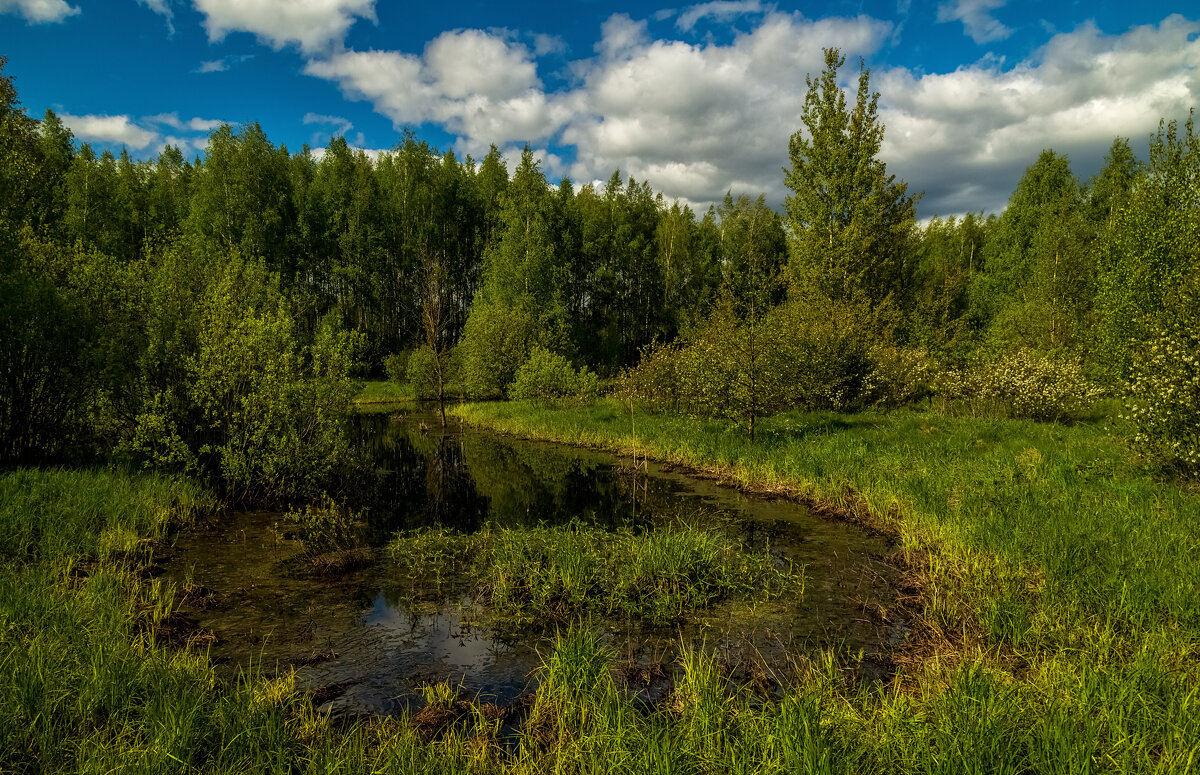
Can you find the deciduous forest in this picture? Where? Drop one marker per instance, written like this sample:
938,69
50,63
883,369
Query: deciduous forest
1011,400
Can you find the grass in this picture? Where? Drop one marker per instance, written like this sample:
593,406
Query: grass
384,391
546,574
1056,580
1059,582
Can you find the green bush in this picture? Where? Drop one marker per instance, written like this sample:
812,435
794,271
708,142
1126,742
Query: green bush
1023,384
1165,388
811,353
422,373
244,401
898,376
396,367
826,346
495,342
656,381
549,375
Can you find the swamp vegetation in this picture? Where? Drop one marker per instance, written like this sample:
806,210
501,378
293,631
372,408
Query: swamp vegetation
820,491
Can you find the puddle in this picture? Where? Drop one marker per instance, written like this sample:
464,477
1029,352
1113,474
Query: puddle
366,646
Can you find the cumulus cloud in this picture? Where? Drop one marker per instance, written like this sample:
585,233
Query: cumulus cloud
39,11
977,19
118,130
479,85
966,136
313,25
696,119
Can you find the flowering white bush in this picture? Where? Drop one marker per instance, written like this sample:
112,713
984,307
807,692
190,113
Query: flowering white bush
1024,384
1165,395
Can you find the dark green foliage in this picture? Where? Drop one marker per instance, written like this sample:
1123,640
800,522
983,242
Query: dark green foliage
421,371
551,376
45,373
395,366
849,219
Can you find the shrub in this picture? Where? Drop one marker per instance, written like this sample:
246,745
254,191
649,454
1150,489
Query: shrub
827,345
550,375
332,537
257,411
656,380
1165,388
396,367
495,342
898,376
1024,384
422,373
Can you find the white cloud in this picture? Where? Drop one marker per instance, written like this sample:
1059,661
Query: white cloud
371,153
342,125
462,63
162,8
205,125
479,85
313,25
977,19
720,10
696,119
118,130
221,65
966,136
39,11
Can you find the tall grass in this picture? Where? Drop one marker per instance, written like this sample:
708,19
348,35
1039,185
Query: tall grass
1055,665
1059,581
551,573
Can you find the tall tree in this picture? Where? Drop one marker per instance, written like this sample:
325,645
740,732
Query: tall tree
849,219
1151,246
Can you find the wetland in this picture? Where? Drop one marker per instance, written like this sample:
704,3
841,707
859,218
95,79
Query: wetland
369,638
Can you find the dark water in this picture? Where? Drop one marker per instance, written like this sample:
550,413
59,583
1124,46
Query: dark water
367,641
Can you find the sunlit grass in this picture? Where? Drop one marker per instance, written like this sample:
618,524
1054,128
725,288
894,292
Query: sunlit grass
384,391
1058,579
552,573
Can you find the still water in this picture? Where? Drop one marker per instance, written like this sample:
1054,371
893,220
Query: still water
365,642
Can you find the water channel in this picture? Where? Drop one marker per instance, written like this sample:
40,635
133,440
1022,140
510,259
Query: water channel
364,643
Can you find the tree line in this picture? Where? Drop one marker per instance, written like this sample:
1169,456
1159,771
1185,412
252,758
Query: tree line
132,288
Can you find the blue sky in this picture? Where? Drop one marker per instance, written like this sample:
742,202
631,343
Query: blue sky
698,99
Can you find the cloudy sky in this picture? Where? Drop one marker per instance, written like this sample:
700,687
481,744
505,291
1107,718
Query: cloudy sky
698,99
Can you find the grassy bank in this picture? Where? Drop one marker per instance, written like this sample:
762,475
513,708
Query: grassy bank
1045,665
384,391
549,574
1052,571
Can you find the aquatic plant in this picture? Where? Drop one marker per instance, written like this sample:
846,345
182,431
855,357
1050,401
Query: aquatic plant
535,573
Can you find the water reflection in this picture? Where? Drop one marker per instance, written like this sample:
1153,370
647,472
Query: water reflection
369,642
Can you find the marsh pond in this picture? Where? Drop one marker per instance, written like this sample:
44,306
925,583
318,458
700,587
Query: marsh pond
366,639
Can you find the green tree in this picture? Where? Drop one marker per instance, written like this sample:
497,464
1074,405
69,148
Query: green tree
1110,189
1037,284
849,219
1151,245
521,301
